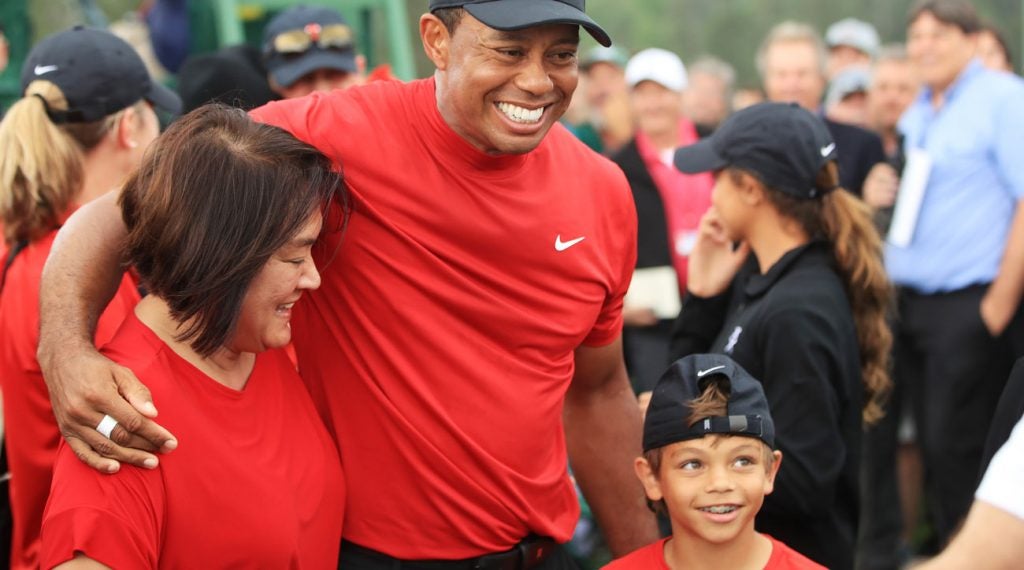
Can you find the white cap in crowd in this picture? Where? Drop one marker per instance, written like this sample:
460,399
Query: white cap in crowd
855,33
657,65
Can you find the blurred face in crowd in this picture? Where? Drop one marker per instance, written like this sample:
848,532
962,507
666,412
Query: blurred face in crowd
706,99
502,90
3,52
852,110
792,73
938,51
744,98
841,58
893,88
319,80
991,52
604,82
656,108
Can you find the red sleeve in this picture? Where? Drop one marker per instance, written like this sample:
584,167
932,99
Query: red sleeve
116,519
622,228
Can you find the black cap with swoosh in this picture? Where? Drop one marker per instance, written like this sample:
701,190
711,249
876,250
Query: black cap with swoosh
518,14
98,73
783,143
746,412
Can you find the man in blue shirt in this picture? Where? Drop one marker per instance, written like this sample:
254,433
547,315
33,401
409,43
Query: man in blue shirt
961,275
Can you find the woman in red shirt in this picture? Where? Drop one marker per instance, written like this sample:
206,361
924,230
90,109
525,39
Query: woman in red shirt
221,218
74,136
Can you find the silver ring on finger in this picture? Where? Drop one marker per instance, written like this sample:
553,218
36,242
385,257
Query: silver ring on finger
106,426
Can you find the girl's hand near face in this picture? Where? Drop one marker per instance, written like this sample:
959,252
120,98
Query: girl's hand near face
714,260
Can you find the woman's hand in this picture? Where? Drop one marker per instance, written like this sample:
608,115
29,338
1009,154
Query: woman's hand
714,260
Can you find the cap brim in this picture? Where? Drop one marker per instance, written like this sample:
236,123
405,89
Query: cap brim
528,13
287,72
163,98
699,157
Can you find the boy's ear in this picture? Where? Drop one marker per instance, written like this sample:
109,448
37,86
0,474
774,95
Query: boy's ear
769,482
648,478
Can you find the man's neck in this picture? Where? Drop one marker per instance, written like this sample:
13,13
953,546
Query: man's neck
664,139
890,140
228,367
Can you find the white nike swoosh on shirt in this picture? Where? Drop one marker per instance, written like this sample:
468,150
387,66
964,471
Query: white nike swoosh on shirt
44,69
827,149
703,373
564,245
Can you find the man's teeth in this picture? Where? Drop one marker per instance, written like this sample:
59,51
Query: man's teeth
521,114
285,307
719,509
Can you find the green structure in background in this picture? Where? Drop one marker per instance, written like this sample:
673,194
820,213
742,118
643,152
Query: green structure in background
381,26
14,17
382,31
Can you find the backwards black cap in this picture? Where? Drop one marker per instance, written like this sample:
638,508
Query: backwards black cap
98,72
669,411
783,143
518,14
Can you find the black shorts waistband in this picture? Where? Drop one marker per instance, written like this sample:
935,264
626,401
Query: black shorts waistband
527,554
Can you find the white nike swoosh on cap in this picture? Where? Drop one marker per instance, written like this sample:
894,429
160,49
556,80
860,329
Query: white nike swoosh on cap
827,149
703,373
44,69
564,245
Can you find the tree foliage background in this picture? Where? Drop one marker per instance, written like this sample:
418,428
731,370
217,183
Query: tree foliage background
729,29
732,29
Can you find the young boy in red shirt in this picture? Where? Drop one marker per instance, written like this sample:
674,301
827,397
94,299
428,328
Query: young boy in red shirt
708,463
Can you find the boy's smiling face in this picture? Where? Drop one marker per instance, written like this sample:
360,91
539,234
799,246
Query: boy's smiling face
713,486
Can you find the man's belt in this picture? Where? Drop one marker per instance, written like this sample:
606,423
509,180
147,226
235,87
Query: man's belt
527,554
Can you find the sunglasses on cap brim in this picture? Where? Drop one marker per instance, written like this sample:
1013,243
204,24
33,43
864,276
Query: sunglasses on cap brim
337,36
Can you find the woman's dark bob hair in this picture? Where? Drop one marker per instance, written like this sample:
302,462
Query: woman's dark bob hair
215,197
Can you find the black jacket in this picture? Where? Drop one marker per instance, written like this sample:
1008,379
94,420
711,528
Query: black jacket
858,151
652,241
793,330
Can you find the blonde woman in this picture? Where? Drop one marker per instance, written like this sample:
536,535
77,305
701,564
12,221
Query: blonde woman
79,130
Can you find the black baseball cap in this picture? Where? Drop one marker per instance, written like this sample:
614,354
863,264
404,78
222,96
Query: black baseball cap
287,68
518,14
98,72
685,381
785,144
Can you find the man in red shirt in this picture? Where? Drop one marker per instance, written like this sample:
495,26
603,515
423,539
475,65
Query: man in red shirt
473,302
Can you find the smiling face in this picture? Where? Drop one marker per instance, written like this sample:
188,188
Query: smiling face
502,91
893,88
713,486
656,108
792,73
939,51
265,318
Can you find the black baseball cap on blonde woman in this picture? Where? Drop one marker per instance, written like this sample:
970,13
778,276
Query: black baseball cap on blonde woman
783,143
98,73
